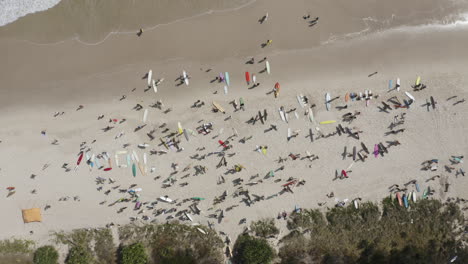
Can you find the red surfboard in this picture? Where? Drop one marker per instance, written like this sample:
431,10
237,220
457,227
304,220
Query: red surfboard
80,158
222,143
107,169
247,77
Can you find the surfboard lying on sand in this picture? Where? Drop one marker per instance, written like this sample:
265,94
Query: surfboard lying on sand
79,158
179,128
376,150
405,200
413,196
356,205
328,122
254,78
247,77
134,170
165,199
150,76
218,107
226,77
289,133
418,81
398,84
155,87
186,135
145,115
327,101
400,201
410,96
267,66
184,74
281,112
225,89
311,115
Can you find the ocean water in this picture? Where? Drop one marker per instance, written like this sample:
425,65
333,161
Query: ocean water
11,10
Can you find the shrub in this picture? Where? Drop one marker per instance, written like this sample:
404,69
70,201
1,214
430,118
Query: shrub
251,250
79,255
46,255
134,254
265,228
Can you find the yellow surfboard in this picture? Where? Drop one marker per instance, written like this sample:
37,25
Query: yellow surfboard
328,122
181,131
418,81
219,107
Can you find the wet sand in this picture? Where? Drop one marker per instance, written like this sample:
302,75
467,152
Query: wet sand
39,80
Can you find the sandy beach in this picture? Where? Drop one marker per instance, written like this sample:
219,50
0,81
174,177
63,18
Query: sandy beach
57,73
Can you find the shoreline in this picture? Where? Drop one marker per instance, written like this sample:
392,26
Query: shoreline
41,80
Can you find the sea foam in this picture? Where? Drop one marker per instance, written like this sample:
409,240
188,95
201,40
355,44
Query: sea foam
11,10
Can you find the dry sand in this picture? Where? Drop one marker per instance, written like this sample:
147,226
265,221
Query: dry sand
39,80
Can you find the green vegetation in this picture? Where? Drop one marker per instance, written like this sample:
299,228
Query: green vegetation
251,250
175,243
265,228
16,251
46,255
134,254
79,255
427,232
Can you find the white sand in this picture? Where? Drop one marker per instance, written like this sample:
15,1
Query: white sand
338,68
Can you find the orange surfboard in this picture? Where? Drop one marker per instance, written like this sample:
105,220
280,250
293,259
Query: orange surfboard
247,77
346,98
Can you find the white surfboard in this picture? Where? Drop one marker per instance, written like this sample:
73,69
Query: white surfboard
327,101
286,116
299,100
289,133
267,65
145,159
282,115
189,217
145,115
254,78
121,152
296,114
135,156
184,74
201,230
225,89
150,76
155,87
165,199
414,196
311,115
356,205
398,84
410,96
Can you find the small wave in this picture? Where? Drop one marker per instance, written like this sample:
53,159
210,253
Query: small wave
11,10
449,23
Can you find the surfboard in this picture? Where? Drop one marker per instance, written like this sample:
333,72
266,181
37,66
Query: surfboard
225,89
79,158
164,199
155,87
414,196
328,122
116,157
410,96
296,114
417,187
289,133
145,115
354,152
327,101
108,169
184,74
247,77
134,170
254,78
179,128
135,156
150,76
400,201
418,81
281,112
356,205
145,159
226,78
267,65
219,107
346,98
311,115
405,200
186,135
277,89
398,84
390,86
201,230
264,150
376,150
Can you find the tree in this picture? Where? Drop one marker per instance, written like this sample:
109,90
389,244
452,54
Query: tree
46,255
134,254
251,250
79,255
